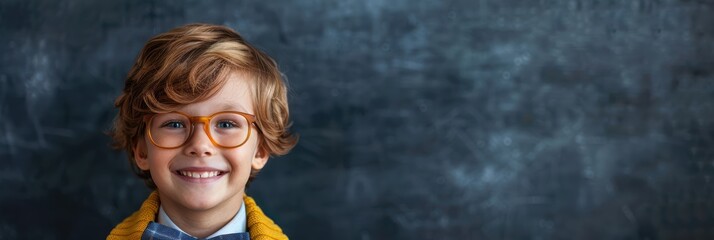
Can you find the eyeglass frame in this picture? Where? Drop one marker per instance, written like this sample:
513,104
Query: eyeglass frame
206,120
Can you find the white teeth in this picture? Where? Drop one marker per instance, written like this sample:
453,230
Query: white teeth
199,174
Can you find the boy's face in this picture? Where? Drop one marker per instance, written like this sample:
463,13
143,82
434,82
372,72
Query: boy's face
198,155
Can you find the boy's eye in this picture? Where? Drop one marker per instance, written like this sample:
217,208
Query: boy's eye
173,124
227,124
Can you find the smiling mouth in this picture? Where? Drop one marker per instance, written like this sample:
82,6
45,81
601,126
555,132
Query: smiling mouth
199,175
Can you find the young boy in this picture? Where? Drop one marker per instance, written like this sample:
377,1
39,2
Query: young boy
201,112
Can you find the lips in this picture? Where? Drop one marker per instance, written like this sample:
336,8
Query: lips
194,173
199,174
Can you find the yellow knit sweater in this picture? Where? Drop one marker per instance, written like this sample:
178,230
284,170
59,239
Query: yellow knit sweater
259,226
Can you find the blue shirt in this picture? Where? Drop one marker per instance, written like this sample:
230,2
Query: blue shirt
235,225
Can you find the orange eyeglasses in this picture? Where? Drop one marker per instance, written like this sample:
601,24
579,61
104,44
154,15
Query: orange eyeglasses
227,129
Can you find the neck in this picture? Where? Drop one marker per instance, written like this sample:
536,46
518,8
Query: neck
204,222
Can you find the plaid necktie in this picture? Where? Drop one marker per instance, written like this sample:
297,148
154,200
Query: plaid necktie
157,231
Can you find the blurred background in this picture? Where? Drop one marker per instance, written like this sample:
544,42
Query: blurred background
479,119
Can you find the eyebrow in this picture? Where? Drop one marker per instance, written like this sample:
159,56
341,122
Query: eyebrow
232,107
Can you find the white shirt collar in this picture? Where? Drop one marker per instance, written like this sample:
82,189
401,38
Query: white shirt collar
235,225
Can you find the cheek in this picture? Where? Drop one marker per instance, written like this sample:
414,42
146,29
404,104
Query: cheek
161,157
238,156
241,157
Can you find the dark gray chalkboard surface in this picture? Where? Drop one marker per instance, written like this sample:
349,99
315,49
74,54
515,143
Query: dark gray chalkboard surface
474,119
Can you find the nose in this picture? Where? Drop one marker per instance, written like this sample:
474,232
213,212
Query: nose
199,143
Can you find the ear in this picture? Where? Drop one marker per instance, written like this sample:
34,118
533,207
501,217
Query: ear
140,155
260,159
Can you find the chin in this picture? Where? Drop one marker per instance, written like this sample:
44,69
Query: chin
201,202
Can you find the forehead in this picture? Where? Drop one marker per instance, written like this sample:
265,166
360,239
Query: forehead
236,94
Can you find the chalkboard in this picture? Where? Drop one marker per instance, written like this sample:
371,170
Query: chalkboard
498,119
